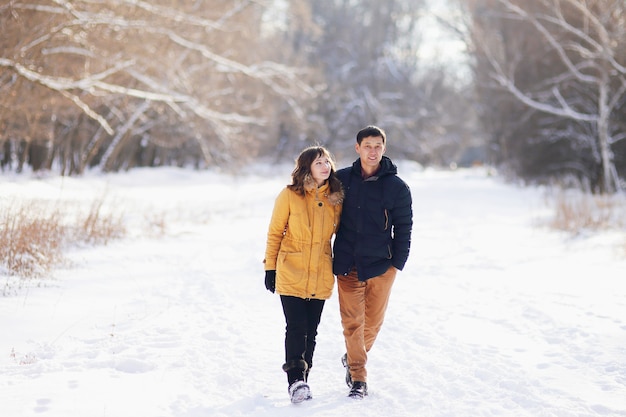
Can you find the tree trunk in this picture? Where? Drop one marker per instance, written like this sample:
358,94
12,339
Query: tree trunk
603,137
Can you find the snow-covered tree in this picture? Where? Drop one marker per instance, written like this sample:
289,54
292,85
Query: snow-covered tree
128,82
564,64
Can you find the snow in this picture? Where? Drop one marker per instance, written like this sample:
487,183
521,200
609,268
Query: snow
494,314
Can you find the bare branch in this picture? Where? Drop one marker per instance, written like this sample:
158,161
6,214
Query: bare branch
88,111
121,132
58,84
565,110
551,39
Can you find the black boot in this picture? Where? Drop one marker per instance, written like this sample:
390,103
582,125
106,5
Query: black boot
296,376
359,390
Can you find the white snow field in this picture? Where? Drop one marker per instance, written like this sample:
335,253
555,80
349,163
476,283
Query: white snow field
494,314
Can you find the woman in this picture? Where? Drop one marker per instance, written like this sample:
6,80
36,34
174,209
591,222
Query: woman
298,258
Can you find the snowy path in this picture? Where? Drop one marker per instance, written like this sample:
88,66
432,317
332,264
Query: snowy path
491,317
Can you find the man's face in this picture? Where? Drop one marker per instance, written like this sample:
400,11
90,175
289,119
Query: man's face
371,151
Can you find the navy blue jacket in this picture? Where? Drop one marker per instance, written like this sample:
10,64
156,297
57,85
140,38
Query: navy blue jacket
376,221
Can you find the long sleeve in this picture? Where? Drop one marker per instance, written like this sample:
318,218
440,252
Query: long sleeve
402,226
276,230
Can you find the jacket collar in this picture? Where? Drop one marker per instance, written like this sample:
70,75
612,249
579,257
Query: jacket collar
333,198
386,168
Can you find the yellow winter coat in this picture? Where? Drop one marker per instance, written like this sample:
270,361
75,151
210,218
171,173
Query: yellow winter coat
298,242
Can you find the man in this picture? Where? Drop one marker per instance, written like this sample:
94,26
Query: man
371,245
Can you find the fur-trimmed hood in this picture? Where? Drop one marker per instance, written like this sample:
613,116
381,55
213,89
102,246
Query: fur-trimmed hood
335,198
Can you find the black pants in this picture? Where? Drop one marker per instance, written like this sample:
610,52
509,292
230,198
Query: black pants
302,317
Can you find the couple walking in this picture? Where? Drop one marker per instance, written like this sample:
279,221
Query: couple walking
369,210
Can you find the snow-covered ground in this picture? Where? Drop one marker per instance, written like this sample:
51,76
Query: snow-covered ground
492,316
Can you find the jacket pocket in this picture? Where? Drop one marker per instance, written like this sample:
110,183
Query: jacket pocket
378,217
290,269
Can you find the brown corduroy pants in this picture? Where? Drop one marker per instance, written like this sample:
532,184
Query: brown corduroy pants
362,306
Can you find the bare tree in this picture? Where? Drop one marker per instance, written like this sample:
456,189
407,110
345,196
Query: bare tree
583,41
357,47
367,53
159,74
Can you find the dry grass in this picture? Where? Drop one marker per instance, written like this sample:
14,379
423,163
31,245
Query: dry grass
30,239
34,235
576,212
155,224
99,226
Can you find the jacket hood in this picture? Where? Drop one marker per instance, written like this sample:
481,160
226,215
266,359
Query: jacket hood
386,167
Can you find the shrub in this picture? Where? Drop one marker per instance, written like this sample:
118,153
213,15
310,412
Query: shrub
98,226
30,239
576,211
33,235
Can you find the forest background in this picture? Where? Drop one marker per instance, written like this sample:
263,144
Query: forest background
536,88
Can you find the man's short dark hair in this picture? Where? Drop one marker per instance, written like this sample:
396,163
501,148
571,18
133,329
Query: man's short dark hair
371,131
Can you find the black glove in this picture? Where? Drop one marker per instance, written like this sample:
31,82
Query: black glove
270,281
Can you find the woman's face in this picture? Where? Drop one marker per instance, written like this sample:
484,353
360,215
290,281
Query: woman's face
320,169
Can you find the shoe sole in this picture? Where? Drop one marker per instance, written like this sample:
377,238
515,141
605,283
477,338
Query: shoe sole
357,395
